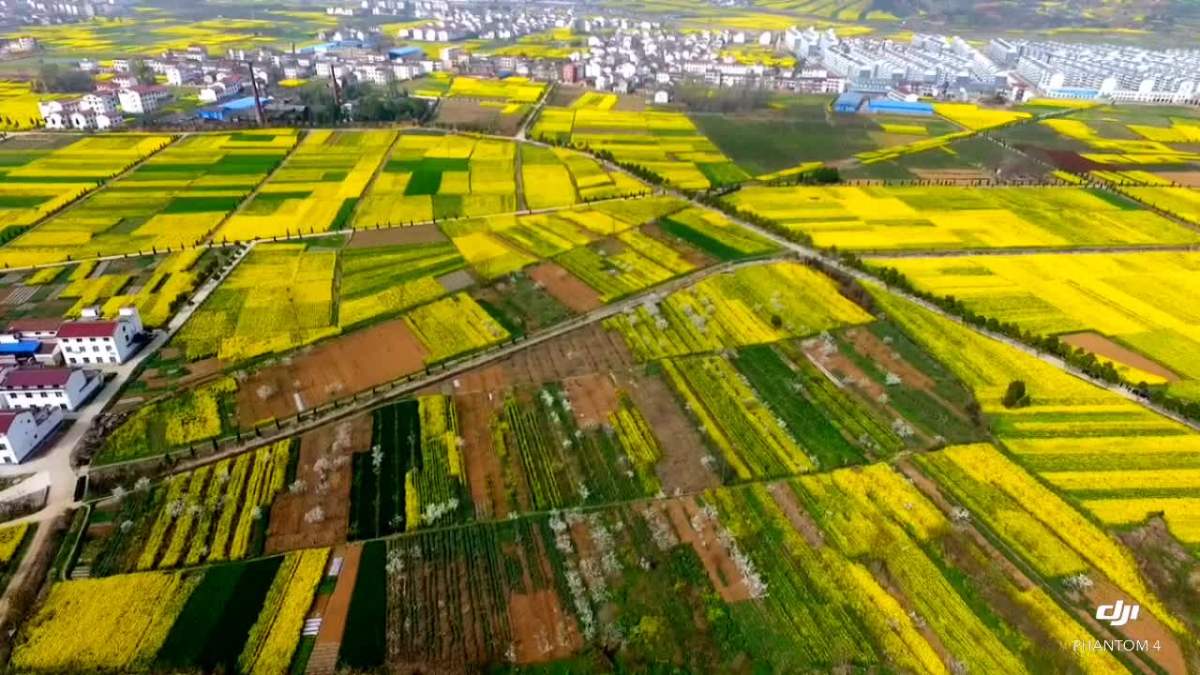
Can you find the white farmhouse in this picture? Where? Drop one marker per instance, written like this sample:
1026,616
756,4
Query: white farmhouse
90,341
22,431
65,388
143,99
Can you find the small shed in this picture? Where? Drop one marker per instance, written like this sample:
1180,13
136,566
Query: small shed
849,102
887,106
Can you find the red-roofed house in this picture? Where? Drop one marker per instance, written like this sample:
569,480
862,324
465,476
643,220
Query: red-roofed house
65,388
90,342
21,431
35,328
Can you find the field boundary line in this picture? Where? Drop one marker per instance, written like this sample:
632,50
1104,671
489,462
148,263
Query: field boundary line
368,400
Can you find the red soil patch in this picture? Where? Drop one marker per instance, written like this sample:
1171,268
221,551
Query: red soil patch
200,370
593,398
680,471
535,618
951,174
335,369
485,473
396,236
565,287
588,350
868,344
1069,161
787,501
1186,178
840,365
722,571
324,469
333,618
1102,346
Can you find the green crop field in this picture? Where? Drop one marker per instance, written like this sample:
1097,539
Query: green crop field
554,379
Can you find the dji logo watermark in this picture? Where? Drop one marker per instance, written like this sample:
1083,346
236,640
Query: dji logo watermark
1118,613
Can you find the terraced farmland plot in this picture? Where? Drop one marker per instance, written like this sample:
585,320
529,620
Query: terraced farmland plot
316,190
752,305
600,244
1091,443
1181,202
557,177
18,106
854,567
715,234
802,129
284,296
1120,306
509,90
664,143
214,513
454,326
279,298
1047,532
28,193
1145,141
382,281
239,617
177,198
429,177
878,218
41,176
153,284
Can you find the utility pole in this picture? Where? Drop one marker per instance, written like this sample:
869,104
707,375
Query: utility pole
337,94
258,109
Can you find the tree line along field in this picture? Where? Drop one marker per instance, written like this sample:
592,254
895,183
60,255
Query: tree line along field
267,183
930,218
791,457
536,510
1115,304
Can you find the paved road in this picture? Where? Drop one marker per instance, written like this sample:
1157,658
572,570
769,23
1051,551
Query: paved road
53,465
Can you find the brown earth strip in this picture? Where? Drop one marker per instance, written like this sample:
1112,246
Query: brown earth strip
1102,346
396,236
593,398
338,368
680,469
323,472
722,571
565,287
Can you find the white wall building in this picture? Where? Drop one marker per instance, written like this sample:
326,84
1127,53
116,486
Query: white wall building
65,388
93,342
22,431
143,99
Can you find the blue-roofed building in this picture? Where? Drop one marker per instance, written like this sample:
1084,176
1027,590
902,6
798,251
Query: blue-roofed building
20,348
1080,93
887,106
239,108
405,53
849,102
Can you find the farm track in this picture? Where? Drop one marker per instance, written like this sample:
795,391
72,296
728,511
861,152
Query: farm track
56,461
805,252
312,235
63,484
416,384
